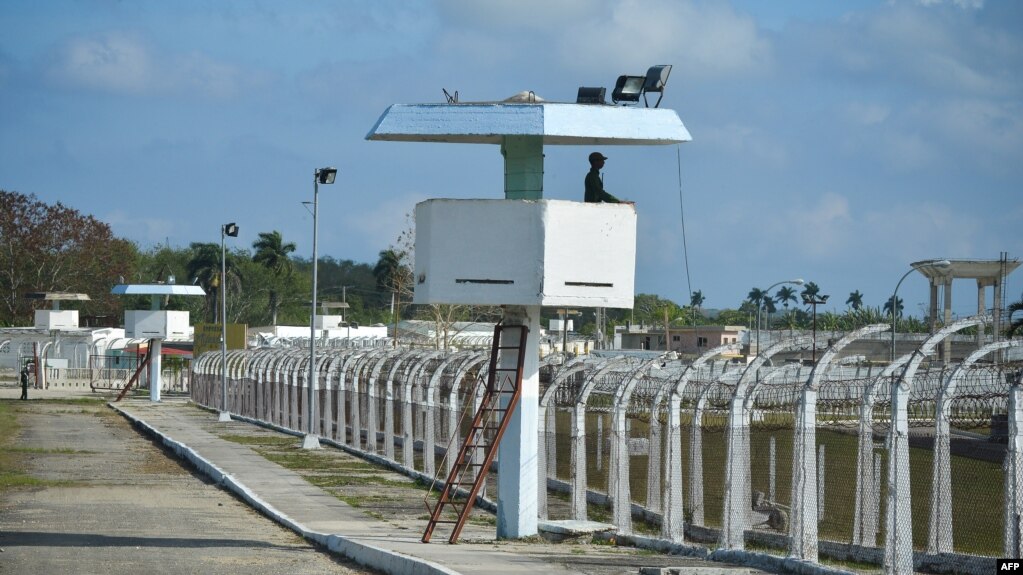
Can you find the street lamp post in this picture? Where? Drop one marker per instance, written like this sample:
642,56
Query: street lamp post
311,441
565,313
230,229
814,301
760,304
940,264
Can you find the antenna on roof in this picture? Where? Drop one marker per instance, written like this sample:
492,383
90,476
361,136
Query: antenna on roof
451,99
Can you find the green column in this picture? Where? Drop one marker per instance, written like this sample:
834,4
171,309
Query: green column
523,167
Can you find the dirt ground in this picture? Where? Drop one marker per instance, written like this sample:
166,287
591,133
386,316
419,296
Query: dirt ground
83,492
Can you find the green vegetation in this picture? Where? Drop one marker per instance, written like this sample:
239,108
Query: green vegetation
977,486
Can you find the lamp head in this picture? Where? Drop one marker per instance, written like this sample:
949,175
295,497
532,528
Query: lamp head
326,175
231,230
798,281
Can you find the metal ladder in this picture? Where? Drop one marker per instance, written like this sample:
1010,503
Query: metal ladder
138,372
456,496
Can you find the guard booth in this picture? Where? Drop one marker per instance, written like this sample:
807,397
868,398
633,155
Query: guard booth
156,324
511,251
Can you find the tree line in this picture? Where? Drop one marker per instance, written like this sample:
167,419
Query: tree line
56,248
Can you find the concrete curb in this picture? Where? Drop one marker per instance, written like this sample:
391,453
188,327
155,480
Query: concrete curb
385,560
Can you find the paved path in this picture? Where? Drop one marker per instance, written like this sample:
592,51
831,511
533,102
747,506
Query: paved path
287,495
106,499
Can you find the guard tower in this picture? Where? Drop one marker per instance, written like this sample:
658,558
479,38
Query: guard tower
56,318
156,324
514,252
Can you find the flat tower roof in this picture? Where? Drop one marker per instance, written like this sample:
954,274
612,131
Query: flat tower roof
969,269
157,289
57,296
558,124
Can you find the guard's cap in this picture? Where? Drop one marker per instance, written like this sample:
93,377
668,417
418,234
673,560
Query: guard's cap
597,156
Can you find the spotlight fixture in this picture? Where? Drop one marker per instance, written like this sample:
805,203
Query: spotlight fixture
656,80
628,89
231,230
326,175
591,95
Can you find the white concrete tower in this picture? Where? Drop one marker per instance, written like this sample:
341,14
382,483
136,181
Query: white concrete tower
156,324
514,252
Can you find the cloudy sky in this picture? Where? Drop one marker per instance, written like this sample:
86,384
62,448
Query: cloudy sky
832,141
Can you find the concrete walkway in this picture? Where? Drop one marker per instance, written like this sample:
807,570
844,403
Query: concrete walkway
288,498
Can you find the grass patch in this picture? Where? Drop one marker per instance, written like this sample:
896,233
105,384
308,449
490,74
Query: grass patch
301,461
263,440
349,480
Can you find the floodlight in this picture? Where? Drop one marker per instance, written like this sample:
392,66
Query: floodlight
231,230
656,80
590,95
326,175
628,89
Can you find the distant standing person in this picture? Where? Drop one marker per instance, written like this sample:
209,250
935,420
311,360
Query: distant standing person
595,184
24,382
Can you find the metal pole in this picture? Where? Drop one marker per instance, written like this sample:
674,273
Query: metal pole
225,415
894,305
311,439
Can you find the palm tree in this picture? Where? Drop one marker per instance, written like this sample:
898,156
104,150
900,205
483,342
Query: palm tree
272,253
855,300
1015,326
204,268
784,295
756,296
769,309
898,307
696,303
811,289
696,299
393,275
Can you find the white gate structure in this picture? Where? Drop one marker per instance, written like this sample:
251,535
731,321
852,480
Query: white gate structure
912,465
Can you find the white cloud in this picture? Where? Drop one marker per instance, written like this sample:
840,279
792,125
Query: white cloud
115,63
125,64
818,229
746,141
703,40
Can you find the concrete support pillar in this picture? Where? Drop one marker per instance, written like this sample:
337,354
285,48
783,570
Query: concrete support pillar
803,524
946,346
517,454
996,306
653,485
523,167
696,464
618,487
866,502
673,518
579,483
980,311
933,306
155,348
737,506
898,548
1013,467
